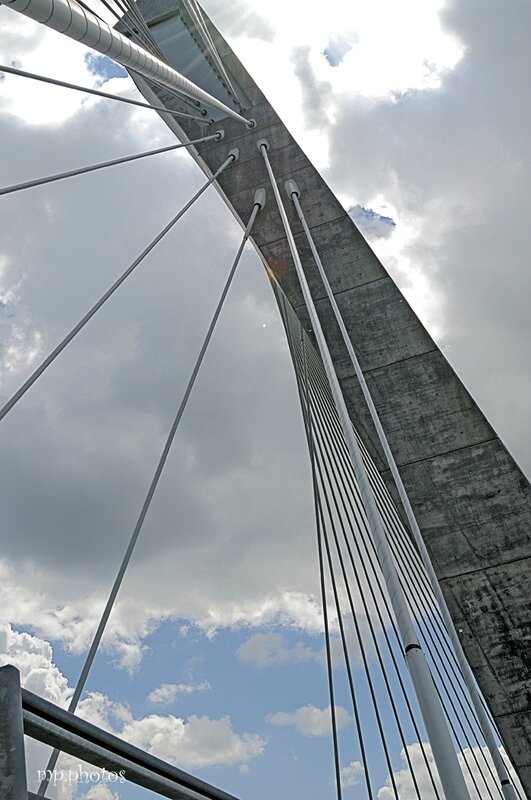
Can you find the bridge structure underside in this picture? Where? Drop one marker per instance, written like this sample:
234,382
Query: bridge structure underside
470,498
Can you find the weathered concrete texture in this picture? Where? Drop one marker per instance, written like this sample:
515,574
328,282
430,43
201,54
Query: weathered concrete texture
471,499
491,608
472,507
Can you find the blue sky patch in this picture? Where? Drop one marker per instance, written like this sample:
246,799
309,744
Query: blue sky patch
6,308
370,223
292,765
104,67
336,50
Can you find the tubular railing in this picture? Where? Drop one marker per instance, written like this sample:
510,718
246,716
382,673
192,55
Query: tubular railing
22,712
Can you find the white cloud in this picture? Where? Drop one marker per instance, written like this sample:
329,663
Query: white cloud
100,792
418,52
407,789
168,692
34,658
73,624
240,19
453,163
229,447
22,349
100,710
285,608
351,774
268,649
38,49
309,720
196,743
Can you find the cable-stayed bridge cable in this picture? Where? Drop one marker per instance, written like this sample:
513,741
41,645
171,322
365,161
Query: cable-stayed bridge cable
355,538
134,14
364,655
322,584
314,422
303,402
397,524
67,17
118,17
340,448
442,746
66,85
259,201
317,422
197,17
114,162
294,192
182,98
233,155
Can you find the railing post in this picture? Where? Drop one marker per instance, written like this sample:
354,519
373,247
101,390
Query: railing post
12,761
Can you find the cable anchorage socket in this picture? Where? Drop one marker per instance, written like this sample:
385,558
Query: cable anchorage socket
220,134
235,153
262,143
292,188
260,197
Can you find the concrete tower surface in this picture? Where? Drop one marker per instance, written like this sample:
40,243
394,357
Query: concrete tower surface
470,498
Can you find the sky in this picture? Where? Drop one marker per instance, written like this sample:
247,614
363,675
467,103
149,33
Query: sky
416,115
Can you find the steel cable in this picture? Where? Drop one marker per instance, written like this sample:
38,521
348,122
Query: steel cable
368,615
487,732
103,299
195,12
359,636
359,730
258,203
322,584
114,162
459,721
97,92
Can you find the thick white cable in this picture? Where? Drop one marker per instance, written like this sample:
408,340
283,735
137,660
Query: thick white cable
68,17
444,753
486,728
